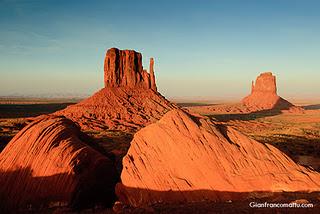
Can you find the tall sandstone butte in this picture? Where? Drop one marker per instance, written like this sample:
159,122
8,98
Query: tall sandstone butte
183,158
123,68
264,94
265,83
128,101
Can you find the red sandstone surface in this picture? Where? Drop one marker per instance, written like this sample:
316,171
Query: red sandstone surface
264,94
124,68
183,158
129,99
48,163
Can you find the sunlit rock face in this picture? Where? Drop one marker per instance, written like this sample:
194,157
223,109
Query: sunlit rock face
49,163
264,94
183,158
265,83
129,100
123,68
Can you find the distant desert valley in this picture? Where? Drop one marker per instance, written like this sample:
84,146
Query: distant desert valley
129,149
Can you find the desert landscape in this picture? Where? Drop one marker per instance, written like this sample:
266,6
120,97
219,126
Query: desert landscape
159,107
129,149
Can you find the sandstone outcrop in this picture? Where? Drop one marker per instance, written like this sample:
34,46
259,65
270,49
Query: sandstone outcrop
153,85
129,99
264,94
183,158
123,68
48,163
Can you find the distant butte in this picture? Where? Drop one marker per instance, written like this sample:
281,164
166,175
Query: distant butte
264,94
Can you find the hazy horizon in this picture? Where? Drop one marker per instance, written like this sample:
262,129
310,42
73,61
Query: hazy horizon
212,49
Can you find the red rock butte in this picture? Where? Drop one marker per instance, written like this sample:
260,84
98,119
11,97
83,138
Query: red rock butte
124,68
129,99
265,83
264,94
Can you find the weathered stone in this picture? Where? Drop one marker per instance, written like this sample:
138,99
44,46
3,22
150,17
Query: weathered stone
50,163
183,158
123,68
265,83
152,76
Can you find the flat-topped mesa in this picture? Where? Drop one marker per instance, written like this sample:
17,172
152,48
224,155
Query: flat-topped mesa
123,68
265,83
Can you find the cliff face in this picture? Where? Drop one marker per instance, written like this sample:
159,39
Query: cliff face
265,83
123,68
48,163
182,158
264,94
129,99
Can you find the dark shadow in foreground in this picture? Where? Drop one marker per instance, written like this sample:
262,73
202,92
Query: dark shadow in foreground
215,201
21,192
43,194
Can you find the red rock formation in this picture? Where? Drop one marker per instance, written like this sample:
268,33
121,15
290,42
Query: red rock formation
182,158
153,85
123,68
265,83
264,95
118,109
129,100
47,163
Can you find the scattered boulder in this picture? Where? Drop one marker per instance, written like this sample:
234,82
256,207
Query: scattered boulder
264,94
48,163
183,158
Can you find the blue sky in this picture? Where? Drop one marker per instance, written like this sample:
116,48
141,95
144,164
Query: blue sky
202,48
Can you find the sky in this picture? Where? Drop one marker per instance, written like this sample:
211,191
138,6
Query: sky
202,48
